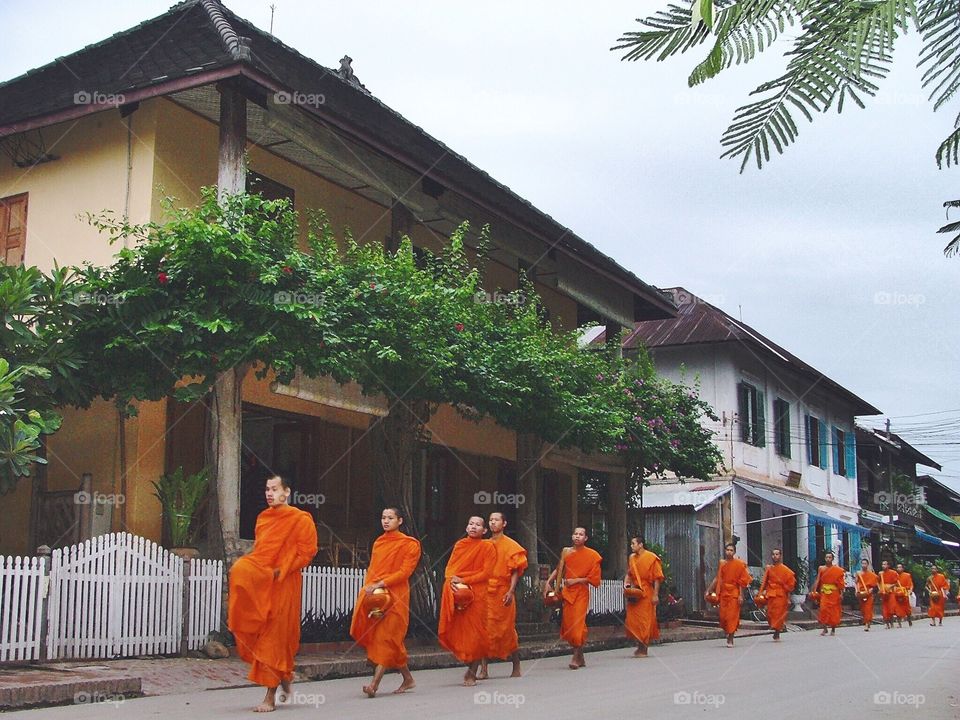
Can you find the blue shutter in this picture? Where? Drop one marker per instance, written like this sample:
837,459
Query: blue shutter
835,448
828,538
823,443
743,410
854,551
809,437
812,559
851,449
760,429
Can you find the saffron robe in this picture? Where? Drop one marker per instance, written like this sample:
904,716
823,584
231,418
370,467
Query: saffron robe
582,563
888,580
463,632
936,606
392,561
780,581
866,580
731,578
263,612
502,619
903,601
641,623
831,593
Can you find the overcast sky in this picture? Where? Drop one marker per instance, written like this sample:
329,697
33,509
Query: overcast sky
830,251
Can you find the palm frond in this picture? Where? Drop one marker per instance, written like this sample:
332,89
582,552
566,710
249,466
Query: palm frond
844,48
953,247
949,151
671,32
940,29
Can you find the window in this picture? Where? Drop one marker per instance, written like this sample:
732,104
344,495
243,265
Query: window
845,549
13,228
752,412
268,188
754,535
781,426
839,451
820,545
789,538
816,441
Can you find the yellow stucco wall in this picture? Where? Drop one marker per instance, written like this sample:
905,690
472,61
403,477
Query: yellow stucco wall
90,176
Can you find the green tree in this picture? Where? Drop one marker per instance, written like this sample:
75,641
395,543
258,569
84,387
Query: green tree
39,363
840,50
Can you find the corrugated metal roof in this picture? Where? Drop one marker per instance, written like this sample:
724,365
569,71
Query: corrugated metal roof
698,322
697,496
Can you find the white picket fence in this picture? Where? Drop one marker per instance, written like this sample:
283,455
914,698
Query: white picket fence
22,582
608,597
329,589
121,595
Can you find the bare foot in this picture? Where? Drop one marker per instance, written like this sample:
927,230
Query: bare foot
573,666
469,681
482,675
516,673
265,707
370,691
823,632
639,654
404,686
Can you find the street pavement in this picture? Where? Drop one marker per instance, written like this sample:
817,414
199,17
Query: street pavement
904,673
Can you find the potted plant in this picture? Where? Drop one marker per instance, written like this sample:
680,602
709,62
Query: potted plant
180,496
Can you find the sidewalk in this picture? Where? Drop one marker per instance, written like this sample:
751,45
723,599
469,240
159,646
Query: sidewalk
106,680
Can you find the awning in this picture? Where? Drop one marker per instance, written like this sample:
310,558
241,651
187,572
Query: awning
792,502
688,494
942,516
932,539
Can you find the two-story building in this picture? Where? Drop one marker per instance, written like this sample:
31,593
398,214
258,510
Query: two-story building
785,429
194,95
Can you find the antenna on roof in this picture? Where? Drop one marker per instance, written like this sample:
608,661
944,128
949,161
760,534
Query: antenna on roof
740,309
272,8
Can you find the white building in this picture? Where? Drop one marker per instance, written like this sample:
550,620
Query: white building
786,432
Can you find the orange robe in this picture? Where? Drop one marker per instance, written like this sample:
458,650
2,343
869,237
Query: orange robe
936,606
263,612
780,581
502,619
831,594
888,580
903,601
392,561
641,622
731,578
463,632
867,580
582,563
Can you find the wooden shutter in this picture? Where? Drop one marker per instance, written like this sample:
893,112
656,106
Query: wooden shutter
808,427
760,424
835,448
743,398
13,228
851,450
822,426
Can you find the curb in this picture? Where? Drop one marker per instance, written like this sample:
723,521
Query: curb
71,690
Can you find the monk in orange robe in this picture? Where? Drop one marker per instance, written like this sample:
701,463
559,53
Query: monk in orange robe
830,583
263,611
392,561
889,578
579,568
866,581
778,581
462,630
645,571
905,581
939,584
732,577
501,605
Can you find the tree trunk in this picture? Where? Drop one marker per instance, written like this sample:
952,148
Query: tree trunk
529,449
395,441
617,518
223,453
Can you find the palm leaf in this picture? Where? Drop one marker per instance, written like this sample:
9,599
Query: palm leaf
940,29
953,247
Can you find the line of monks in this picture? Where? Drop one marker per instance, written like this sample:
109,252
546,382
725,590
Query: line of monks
893,586
477,618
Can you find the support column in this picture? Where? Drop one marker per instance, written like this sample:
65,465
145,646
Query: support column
617,524
529,448
226,415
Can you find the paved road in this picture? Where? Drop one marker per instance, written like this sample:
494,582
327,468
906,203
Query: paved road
908,673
